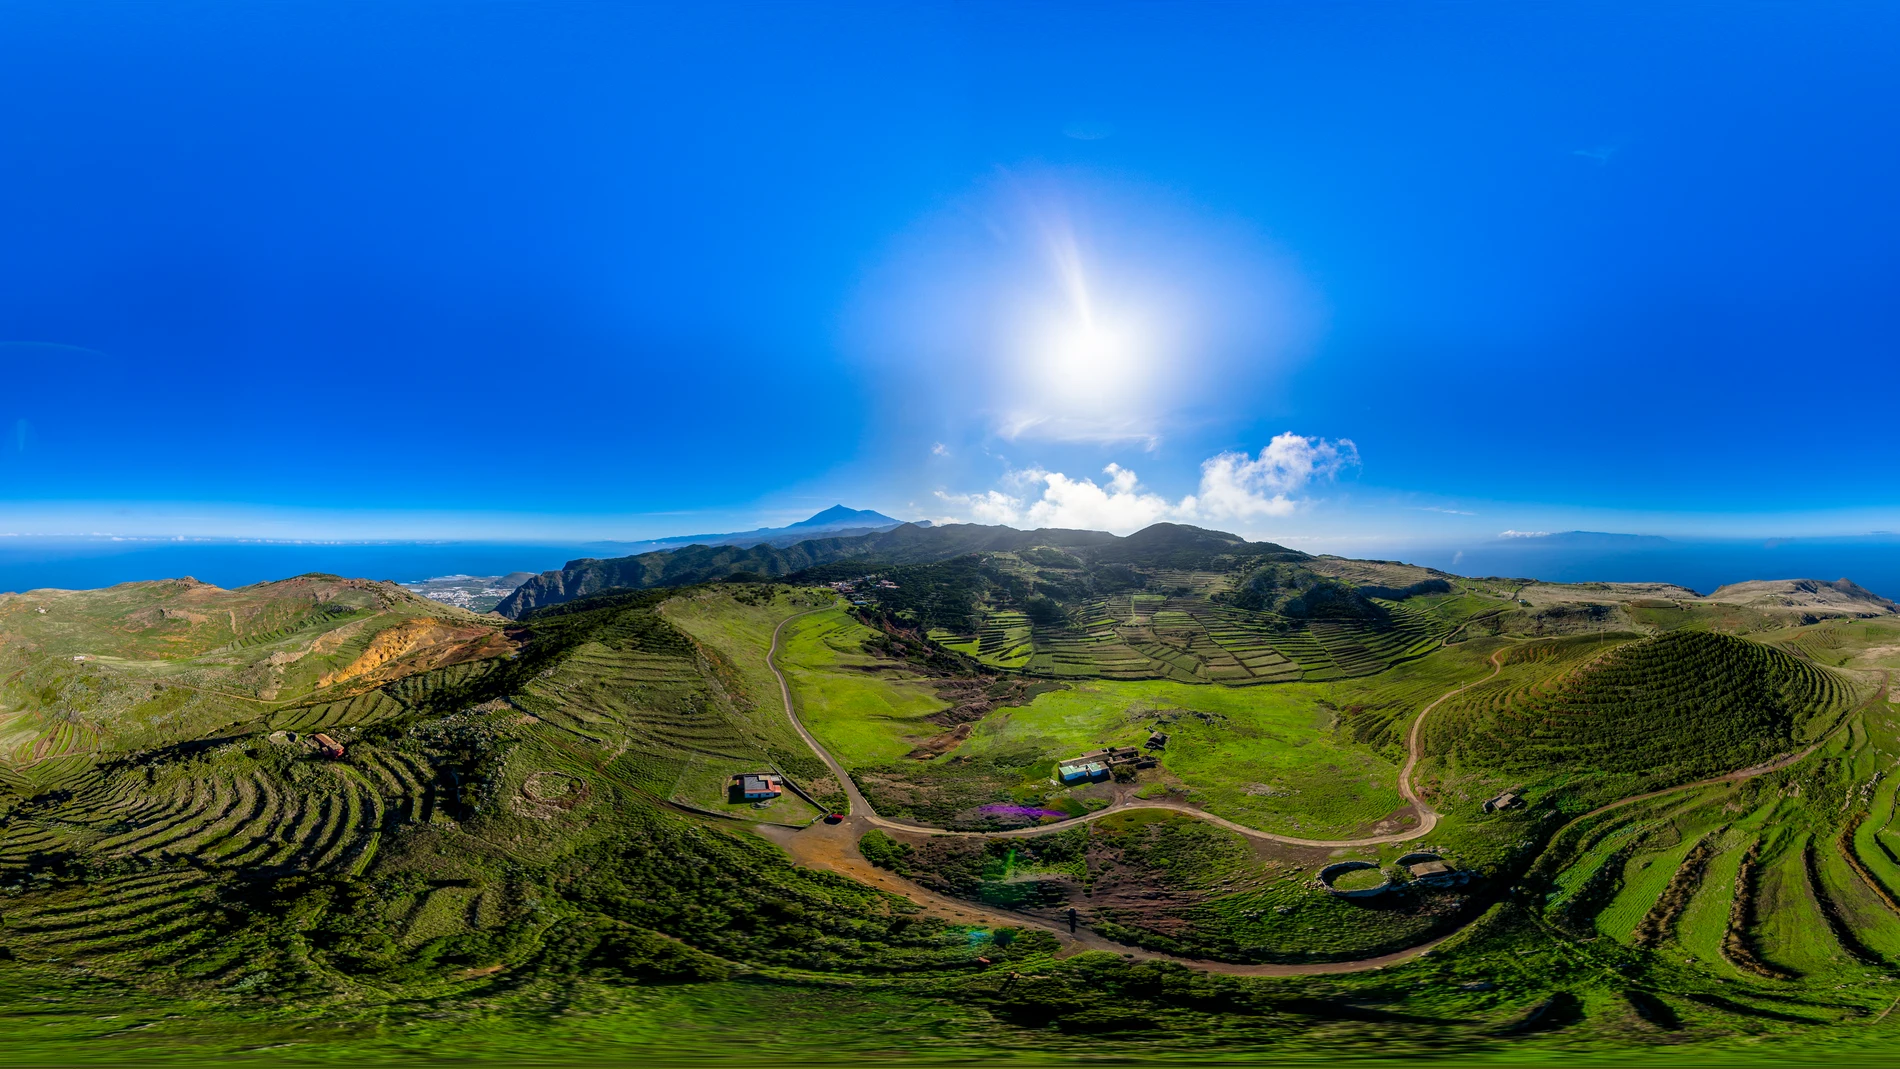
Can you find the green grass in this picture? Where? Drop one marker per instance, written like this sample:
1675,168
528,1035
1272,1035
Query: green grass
1287,758
1267,757
864,709
232,897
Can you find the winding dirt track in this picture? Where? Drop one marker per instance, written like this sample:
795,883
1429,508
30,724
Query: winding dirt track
833,847
861,808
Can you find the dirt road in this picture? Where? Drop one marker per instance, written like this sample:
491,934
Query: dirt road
834,847
862,811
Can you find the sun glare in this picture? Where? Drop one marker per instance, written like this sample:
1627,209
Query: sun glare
1089,364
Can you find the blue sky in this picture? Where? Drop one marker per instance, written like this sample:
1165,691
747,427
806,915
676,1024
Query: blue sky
1345,275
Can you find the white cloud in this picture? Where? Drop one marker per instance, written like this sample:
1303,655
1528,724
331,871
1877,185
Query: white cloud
1523,534
1448,512
939,450
1234,486
1237,486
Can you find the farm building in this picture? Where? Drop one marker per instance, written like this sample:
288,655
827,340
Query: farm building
1430,870
1080,771
327,746
760,786
1507,800
1096,765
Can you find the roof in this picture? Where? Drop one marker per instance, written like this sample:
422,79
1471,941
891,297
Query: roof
1428,868
759,784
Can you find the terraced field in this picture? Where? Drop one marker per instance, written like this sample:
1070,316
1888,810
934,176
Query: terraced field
1614,715
553,826
1192,639
235,807
163,853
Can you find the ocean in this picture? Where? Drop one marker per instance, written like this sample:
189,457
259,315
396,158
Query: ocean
1872,561
28,563
80,564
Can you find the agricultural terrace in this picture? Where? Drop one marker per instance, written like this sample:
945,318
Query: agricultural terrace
1187,637
1771,881
1602,717
1302,759
87,674
545,827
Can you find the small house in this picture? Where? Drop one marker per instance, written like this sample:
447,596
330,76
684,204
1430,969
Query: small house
1507,800
1072,772
327,746
760,786
1435,874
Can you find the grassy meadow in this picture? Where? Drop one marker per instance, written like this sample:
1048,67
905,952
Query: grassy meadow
527,853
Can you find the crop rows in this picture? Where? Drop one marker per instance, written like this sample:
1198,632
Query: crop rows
1675,707
656,699
240,815
362,709
155,915
64,739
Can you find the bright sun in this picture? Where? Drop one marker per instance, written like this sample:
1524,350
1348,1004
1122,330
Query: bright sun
1089,364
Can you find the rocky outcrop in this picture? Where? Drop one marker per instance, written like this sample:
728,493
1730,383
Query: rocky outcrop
1813,597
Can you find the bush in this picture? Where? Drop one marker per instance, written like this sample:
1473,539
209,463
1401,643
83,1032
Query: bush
885,852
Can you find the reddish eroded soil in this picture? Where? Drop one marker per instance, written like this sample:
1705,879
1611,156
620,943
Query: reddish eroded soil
419,645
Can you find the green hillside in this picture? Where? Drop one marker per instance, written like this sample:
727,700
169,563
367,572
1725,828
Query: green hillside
532,845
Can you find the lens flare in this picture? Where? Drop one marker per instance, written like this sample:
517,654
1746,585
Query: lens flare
1066,309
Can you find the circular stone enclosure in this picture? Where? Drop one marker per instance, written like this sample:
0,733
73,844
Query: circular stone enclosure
1341,879
556,789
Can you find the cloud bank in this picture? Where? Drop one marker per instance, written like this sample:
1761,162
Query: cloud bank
1234,486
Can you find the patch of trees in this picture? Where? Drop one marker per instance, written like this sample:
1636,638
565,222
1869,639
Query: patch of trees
1043,611
1290,590
1400,593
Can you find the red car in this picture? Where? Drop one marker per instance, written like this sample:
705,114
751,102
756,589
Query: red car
834,818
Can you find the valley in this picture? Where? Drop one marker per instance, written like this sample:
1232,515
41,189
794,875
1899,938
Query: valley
1376,806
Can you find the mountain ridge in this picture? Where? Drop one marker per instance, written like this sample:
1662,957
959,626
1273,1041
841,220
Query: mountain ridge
905,544
838,520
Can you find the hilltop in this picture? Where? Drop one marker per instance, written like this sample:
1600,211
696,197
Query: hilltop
1810,597
837,521
99,672
698,563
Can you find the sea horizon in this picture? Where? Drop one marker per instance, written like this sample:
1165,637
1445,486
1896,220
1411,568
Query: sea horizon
1702,565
